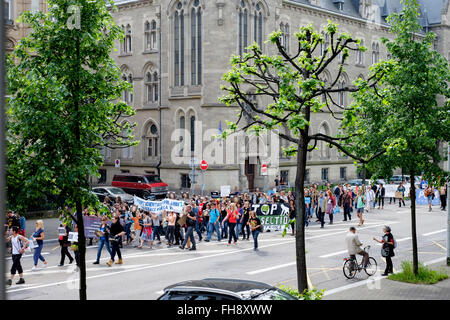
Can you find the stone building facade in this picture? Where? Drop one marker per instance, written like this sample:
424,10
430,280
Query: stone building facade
15,30
175,53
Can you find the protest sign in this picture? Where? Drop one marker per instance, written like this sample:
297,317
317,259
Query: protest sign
61,231
225,191
273,217
91,224
421,199
73,237
159,206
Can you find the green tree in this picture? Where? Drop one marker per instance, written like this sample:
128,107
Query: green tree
64,107
407,112
295,88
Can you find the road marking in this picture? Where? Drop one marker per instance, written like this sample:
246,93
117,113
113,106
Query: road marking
333,254
439,245
340,232
29,255
371,279
271,268
159,292
150,267
310,286
434,232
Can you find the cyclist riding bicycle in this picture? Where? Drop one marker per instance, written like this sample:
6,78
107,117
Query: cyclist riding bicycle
354,246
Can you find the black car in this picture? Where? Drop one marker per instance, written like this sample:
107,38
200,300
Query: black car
223,289
112,193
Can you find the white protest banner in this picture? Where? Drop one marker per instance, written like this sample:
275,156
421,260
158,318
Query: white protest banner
62,231
390,190
73,237
159,206
225,191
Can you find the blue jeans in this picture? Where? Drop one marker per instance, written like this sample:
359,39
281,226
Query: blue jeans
189,234
198,230
101,243
37,254
306,216
128,231
255,235
211,228
155,233
225,229
238,228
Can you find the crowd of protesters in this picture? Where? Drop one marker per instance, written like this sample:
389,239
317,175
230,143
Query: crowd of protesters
227,218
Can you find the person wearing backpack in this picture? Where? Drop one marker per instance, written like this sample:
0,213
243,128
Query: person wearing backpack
387,250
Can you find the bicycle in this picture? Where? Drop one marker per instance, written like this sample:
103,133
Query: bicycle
351,266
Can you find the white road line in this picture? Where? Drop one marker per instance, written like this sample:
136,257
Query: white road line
30,255
340,232
333,254
271,268
149,267
159,292
372,279
434,232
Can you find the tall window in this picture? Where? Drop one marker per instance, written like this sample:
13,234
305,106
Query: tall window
375,52
343,173
341,94
126,45
182,136
323,148
324,174
152,140
360,55
8,10
151,85
192,133
179,45
285,36
127,95
127,152
243,27
258,25
196,43
324,45
150,35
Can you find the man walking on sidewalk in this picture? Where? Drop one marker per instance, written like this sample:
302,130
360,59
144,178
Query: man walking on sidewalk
190,221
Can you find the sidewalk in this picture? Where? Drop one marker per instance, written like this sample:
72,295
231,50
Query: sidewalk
385,289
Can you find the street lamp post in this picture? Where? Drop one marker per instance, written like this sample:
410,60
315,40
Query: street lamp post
2,148
448,206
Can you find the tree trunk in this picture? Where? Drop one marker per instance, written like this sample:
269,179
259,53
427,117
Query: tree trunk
413,222
302,281
81,251
364,178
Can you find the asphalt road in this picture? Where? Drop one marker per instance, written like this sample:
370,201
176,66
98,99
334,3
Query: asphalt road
146,272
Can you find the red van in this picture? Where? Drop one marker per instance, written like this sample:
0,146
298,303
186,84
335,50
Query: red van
147,186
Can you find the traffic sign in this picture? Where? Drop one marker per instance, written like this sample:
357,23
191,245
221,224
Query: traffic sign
264,169
117,163
204,165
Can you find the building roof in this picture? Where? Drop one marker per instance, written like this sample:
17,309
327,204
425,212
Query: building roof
430,10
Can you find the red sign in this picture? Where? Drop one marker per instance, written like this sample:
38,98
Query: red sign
264,167
204,165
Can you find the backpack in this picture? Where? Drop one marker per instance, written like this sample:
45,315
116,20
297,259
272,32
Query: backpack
395,242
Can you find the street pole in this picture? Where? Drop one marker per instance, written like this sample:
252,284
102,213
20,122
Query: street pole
2,149
448,206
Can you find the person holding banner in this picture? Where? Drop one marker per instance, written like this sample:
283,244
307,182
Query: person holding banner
39,236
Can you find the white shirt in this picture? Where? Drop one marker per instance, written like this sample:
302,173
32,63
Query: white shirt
16,245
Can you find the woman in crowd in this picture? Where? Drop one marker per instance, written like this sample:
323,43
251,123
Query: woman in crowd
360,203
292,215
146,231
39,236
370,197
245,218
240,219
255,225
103,233
402,190
387,250
307,208
331,203
64,243
116,232
17,249
223,222
231,218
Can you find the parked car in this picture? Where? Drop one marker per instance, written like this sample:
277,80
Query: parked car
147,186
112,193
398,178
223,289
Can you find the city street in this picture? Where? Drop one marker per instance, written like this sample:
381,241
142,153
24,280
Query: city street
145,273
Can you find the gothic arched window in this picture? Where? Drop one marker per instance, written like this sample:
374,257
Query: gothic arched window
179,45
243,27
196,43
152,136
258,25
